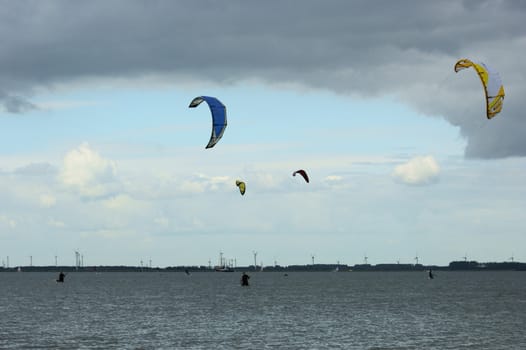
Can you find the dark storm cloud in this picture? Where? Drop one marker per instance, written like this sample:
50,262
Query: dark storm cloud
368,48
15,104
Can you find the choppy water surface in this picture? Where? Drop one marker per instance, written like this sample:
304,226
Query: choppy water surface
345,310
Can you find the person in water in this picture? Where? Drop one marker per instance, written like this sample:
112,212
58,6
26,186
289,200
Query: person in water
431,276
244,279
61,277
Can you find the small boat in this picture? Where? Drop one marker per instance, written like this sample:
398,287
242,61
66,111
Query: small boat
223,266
224,269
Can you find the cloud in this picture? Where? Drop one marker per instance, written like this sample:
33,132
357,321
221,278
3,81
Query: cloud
337,182
63,105
16,104
162,185
333,178
7,221
360,48
35,169
417,171
55,223
87,172
47,200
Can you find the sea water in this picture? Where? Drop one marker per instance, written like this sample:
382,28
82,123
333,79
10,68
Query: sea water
300,310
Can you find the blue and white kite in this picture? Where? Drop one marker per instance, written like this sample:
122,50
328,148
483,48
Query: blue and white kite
218,117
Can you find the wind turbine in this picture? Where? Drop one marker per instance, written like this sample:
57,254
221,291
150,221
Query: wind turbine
77,259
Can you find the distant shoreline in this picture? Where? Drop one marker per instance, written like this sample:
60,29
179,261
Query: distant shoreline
453,266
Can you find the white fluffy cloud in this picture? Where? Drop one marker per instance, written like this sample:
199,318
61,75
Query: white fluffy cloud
420,170
89,173
201,183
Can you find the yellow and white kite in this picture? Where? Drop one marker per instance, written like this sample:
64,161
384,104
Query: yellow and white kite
490,81
242,186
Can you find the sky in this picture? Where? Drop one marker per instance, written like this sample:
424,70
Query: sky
99,152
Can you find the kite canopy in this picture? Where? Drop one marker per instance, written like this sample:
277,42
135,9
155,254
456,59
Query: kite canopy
242,186
490,81
218,117
302,173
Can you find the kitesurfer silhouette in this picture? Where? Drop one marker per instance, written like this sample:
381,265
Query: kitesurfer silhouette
431,276
244,279
61,277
